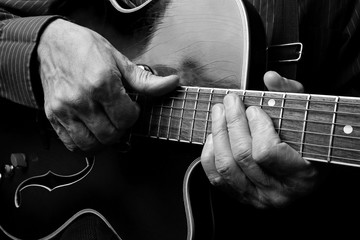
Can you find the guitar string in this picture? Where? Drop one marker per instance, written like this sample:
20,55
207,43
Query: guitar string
213,102
284,130
245,93
274,107
272,117
268,97
298,144
304,154
203,122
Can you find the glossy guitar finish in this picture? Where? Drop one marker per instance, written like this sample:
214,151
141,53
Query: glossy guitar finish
208,43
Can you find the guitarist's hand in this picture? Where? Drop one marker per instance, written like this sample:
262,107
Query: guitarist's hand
245,155
84,78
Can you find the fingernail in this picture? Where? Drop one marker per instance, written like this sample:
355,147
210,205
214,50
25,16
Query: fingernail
252,112
217,111
229,100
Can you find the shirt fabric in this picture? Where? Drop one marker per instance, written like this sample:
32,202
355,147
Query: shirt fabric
329,30
21,24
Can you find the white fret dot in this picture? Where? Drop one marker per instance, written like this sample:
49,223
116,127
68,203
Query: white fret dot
348,129
271,102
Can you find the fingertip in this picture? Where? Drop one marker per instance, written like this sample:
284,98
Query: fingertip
272,80
252,112
158,85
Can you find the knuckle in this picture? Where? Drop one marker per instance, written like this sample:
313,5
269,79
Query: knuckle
223,169
244,154
264,152
219,132
216,181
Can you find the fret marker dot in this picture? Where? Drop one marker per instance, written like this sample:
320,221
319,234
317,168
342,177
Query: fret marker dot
271,102
348,129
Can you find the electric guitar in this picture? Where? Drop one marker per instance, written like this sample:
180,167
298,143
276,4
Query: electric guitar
216,47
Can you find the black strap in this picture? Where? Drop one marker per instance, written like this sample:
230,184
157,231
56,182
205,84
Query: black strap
285,49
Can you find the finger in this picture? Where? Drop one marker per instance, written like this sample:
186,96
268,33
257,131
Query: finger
274,82
224,159
241,139
208,163
117,105
263,132
237,124
62,134
268,151
79,133
97,121
143,81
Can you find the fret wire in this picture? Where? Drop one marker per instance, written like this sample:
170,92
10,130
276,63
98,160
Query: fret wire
194,115
262,99
289,108
305,124
321,134
276,118
243,95
208,114
182,115
305,144
323,155
277,129
324,146
281,112
160,116
170,117
333,127
277,98
295,94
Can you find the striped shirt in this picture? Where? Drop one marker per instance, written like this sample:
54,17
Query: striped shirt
329,31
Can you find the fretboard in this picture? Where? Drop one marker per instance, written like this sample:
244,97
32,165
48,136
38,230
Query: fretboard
321,128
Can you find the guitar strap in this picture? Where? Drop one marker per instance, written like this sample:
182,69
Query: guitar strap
285,50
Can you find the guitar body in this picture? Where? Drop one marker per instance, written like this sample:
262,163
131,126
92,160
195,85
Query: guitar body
139,194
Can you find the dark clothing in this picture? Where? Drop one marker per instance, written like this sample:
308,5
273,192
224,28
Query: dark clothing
330,33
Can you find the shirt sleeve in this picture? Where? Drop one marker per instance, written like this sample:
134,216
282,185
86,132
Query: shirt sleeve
18,41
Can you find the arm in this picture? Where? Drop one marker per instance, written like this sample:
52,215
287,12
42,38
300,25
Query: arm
74,74
18,42
83,78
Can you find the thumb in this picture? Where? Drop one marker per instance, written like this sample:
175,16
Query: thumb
274,82
143,81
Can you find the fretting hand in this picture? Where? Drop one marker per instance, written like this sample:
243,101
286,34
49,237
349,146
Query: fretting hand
245,156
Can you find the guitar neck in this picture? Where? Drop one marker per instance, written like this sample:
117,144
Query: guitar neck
321,128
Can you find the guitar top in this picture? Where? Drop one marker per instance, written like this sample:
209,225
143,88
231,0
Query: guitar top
140,194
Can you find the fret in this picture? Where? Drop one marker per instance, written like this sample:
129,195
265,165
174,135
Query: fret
170,119
158,134
332,129
243,96
321,128
293,115
304,124
346,139
281,113
207,118
182,115
262,99
194,114
319,125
